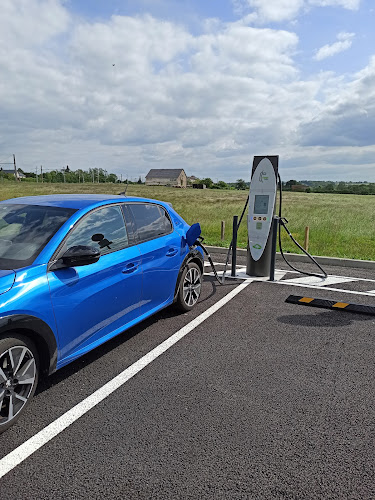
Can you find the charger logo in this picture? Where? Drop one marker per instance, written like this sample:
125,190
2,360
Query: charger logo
257,246
263,176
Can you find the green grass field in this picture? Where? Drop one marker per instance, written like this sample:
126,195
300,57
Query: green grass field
340,225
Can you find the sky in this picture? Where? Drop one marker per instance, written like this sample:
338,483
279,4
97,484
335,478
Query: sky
203,85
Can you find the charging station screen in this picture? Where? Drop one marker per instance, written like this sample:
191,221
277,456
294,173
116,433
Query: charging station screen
261,203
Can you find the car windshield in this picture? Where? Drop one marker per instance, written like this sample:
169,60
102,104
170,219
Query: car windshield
25,230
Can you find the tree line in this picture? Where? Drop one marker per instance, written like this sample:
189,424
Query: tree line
339,187
210,184
94,175
100,175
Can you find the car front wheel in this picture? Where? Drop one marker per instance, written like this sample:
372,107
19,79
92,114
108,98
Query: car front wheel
18,377
190,287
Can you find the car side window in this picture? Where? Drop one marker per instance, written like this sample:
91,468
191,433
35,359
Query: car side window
151,221
103,229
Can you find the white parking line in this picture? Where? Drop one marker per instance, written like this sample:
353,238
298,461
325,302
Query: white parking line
314,280
353,292
30,446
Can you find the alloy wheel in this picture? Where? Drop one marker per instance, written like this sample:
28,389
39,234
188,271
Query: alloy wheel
17,380
192,286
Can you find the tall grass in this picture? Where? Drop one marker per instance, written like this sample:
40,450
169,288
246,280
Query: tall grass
340,225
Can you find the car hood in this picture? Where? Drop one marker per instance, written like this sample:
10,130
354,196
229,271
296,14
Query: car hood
6,280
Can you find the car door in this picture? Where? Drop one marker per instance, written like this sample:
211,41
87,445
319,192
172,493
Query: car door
160,248
91,302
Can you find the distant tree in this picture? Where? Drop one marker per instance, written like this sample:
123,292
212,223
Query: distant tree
241,184
209,182
112,178
67,169
139,181
221,185
289,184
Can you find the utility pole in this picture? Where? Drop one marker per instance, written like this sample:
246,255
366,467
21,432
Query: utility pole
98,175
36,173
15,168
93,174
41,172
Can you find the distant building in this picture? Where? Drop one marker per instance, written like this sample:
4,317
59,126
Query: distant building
11,172
174,177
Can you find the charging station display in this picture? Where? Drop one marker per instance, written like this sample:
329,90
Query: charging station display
261,203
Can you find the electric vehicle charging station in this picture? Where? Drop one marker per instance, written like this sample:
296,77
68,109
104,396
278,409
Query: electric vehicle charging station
263,227
260,219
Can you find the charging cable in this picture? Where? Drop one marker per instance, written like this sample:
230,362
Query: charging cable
283,223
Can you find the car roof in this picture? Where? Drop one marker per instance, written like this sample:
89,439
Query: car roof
76,201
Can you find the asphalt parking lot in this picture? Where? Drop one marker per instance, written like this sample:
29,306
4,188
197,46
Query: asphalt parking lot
262,399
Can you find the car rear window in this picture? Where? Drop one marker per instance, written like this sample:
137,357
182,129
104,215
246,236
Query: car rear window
151,221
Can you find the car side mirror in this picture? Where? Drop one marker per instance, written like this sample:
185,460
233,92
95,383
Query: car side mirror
79,255
193,233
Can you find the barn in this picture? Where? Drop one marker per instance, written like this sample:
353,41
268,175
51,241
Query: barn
173,177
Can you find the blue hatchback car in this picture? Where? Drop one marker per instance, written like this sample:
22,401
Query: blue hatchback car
76,270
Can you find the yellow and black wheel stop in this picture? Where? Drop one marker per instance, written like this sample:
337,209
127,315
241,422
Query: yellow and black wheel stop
331,304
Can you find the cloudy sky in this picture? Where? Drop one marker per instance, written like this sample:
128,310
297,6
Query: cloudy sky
129,85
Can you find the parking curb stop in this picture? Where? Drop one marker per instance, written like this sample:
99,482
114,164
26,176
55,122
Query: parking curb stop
331,304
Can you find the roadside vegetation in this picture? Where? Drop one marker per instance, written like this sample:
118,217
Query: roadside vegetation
340,225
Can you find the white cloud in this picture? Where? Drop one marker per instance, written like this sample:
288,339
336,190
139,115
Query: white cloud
345,41
263,11
346,4
28,23
271,10
347,118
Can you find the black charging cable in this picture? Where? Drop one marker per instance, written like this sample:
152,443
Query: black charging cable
231,243
282,221
199,244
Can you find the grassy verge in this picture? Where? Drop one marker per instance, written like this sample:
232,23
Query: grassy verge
340,225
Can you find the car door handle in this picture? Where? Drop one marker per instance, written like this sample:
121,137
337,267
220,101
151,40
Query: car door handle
171,252
130,268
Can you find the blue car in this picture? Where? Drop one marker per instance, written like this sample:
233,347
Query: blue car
76,270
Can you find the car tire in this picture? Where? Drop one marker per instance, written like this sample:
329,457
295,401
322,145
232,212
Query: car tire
19,370
190,287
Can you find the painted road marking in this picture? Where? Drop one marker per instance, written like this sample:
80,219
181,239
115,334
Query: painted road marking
241,275
314,280
18,455
353,292
305,281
